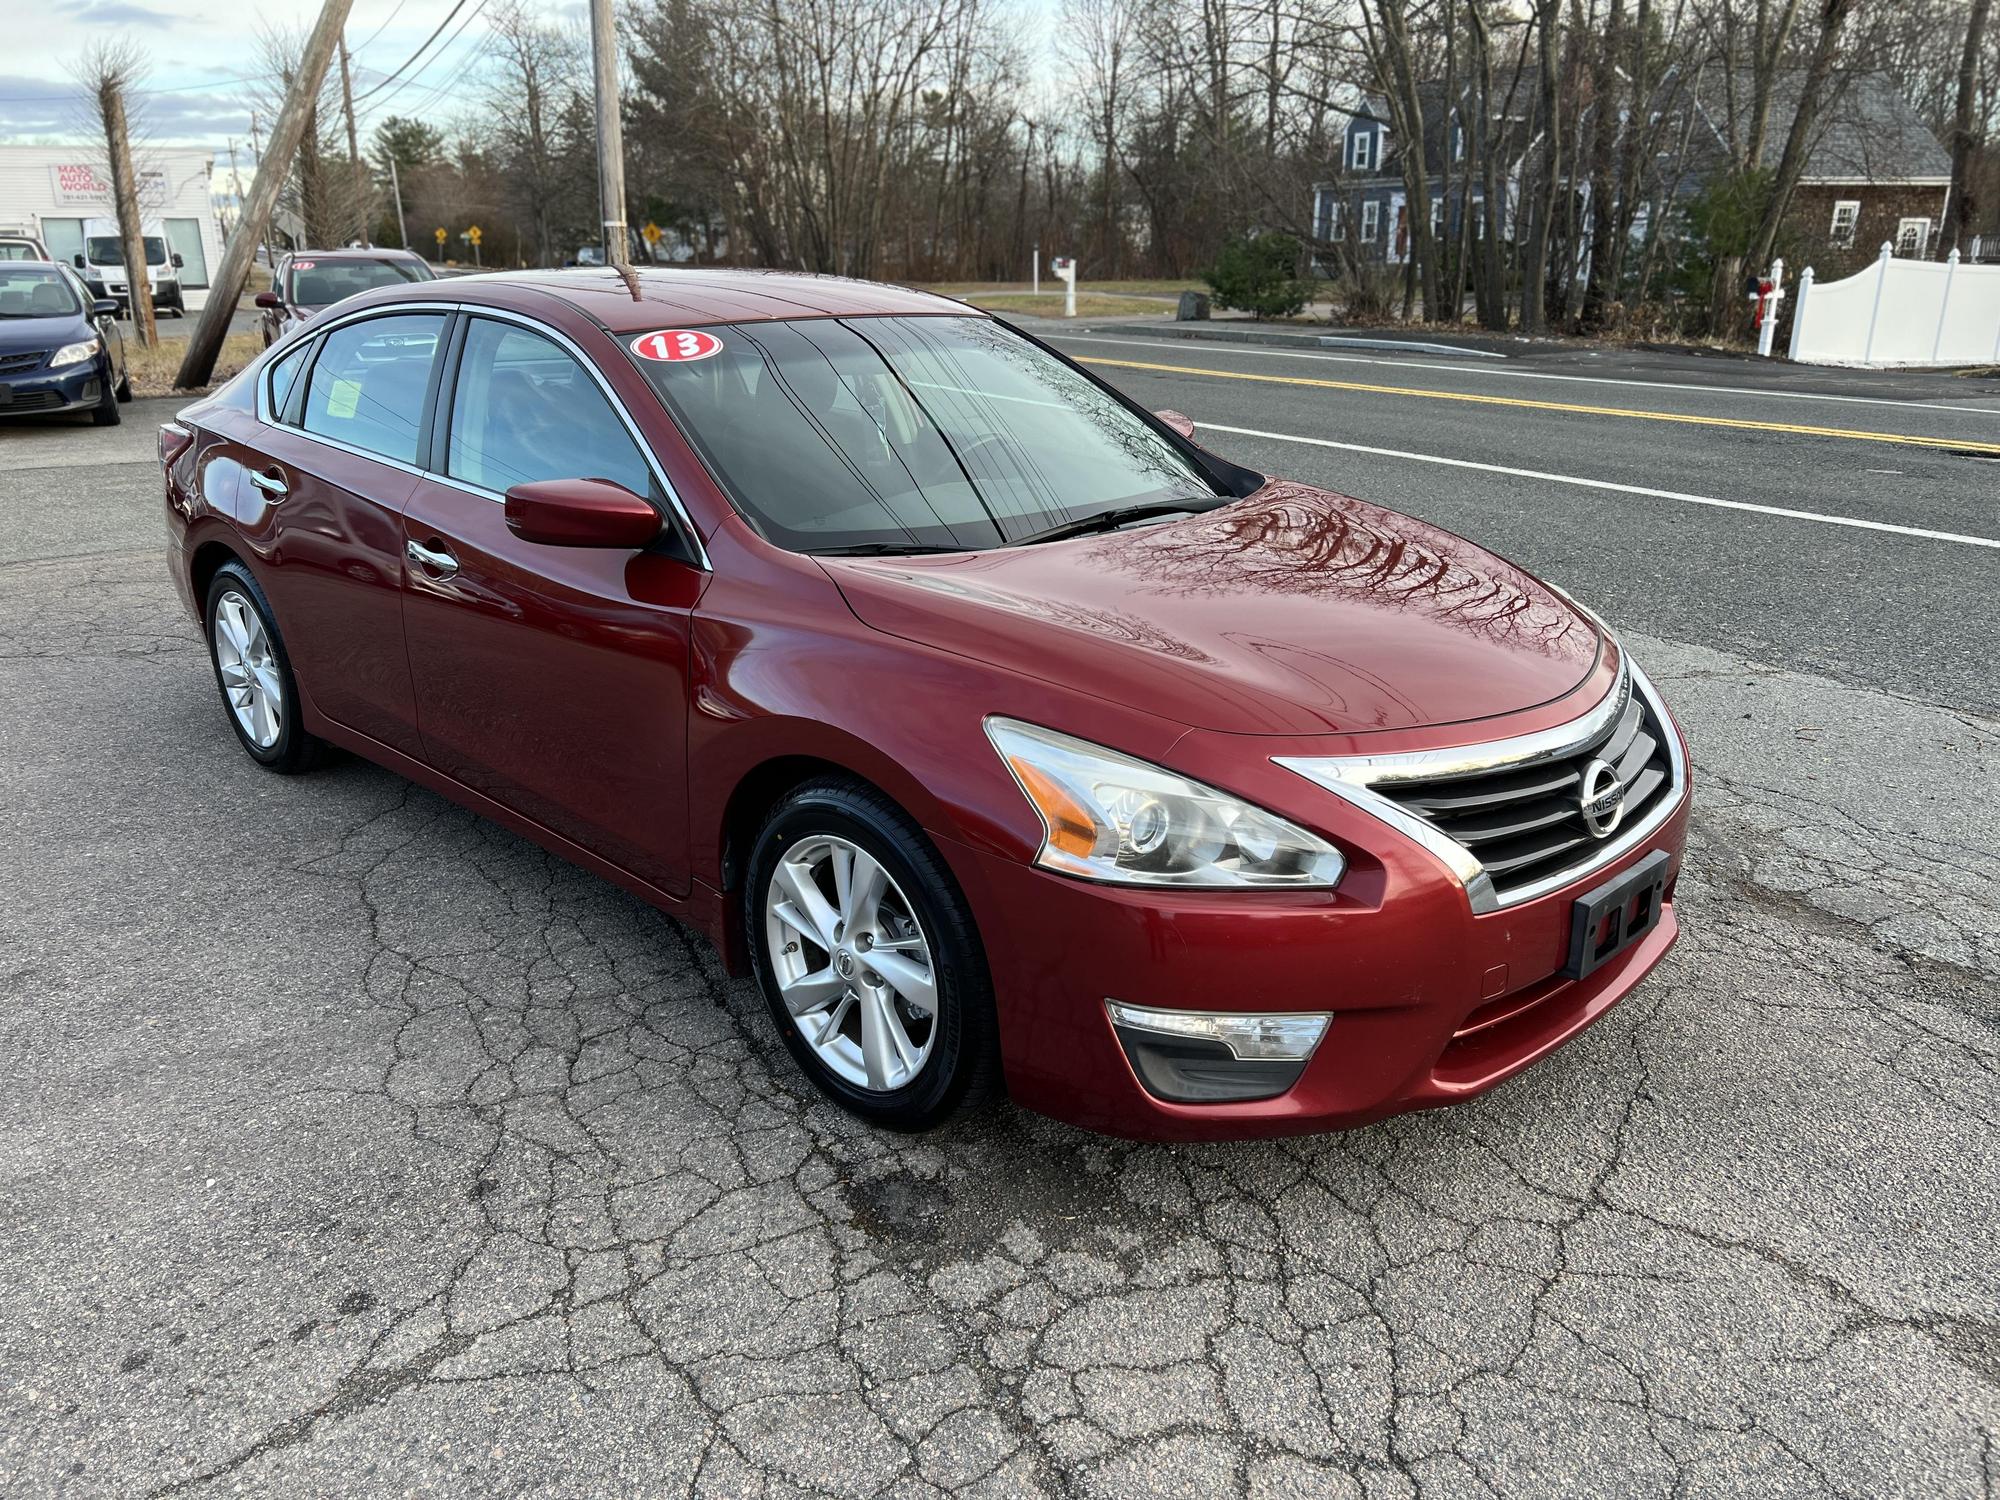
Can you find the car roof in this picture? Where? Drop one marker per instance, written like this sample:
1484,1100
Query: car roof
664,296
351,254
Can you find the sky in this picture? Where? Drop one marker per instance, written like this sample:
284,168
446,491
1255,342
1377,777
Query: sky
202,58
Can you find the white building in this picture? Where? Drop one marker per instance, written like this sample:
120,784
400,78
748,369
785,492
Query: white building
51,190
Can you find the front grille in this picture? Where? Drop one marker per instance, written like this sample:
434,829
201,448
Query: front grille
33,401
1525,822
16,364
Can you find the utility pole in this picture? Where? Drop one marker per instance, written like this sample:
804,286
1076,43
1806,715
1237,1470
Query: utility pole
256,155
396,187
235,189
125,193
610,136
206,342
353,148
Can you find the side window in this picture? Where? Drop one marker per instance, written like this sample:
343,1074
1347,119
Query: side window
367,385
284,377
524,410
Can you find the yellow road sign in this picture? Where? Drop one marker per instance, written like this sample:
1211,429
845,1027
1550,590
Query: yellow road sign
440,235
473,234
652,233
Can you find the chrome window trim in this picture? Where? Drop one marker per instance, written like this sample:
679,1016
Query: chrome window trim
503,314
1353,777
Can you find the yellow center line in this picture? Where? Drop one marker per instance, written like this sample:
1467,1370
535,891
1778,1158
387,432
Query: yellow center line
1742,423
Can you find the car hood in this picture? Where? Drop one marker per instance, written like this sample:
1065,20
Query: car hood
20,334
1295,611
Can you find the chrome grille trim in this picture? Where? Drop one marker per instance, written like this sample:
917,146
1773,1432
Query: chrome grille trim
1356,777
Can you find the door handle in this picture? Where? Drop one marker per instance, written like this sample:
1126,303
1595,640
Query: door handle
439,561
271,482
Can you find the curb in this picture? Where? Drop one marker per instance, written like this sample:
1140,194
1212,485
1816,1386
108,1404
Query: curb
1226,335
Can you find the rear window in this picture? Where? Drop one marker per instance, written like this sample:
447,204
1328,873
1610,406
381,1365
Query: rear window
909,431
368,382
323,283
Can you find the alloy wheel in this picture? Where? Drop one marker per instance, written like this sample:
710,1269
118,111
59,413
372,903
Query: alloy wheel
249,670
852,963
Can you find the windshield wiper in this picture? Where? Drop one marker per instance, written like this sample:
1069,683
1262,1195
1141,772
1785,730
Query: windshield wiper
1119,515
879,549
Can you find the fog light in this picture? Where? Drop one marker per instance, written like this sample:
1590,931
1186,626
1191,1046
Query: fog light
1210,1057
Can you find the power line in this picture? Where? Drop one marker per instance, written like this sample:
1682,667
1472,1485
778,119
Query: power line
440,90
449,18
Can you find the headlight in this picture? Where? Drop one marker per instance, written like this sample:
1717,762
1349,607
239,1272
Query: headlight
74,354
1108,817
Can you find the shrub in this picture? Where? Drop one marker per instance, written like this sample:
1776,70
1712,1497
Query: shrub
1255,274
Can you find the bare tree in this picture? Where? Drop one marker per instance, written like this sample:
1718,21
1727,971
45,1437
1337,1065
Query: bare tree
108,70
1959,205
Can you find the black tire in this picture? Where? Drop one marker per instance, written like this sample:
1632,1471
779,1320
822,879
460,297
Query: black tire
124,391
106,412
294,750
962,1071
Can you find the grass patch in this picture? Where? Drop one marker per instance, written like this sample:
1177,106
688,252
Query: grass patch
153,370
1088,305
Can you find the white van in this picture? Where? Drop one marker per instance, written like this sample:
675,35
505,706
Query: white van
104,255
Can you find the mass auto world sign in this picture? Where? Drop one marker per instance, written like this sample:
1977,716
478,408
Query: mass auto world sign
81,186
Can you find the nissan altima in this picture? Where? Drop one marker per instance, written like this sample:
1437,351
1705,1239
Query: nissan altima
1011,739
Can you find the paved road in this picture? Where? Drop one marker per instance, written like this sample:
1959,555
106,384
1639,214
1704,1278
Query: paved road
354,1147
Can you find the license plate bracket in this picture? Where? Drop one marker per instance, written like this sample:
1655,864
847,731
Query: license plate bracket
1605,922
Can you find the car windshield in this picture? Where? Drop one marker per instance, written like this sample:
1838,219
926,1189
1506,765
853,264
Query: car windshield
19,250
109,250
910,432
36,289
321,283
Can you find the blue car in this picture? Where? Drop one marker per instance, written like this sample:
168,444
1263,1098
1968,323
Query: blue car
60,348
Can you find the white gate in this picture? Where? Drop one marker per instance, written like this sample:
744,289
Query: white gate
1900,312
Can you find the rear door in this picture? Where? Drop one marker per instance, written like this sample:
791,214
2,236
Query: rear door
336,461
552,679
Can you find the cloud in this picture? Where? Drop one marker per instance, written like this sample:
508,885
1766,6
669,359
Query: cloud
122,13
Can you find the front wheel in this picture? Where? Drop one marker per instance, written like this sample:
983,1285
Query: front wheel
868,958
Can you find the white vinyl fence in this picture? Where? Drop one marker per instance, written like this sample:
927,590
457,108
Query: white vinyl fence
1900,312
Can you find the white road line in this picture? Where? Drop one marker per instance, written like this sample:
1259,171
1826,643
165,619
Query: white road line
1199,346
1606,484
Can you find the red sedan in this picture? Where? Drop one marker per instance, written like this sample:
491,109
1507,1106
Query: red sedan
1009,737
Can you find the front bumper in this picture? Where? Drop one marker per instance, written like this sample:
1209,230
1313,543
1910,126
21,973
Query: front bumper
1431,1001
40,392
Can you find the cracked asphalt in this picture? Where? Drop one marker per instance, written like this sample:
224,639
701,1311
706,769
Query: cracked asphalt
352,1146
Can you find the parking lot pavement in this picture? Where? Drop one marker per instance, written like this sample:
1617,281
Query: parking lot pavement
356,1147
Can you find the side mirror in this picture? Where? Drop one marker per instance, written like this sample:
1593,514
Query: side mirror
1184,425
271,300
581,513
103,307
178,262
78,261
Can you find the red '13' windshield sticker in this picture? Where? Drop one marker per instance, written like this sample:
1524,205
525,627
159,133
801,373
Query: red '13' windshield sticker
676,345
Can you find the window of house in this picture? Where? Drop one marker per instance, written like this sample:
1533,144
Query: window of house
1846,214
1457,142
1437,216
1361,150
1371,222
1913,238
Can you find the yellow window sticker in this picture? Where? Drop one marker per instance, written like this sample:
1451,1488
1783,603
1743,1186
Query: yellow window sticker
342,400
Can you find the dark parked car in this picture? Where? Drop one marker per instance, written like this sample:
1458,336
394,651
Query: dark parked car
60,348
306,284
1004,733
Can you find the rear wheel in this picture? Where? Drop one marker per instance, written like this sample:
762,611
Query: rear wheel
869,959
255,675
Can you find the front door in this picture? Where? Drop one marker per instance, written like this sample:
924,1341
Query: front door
552,679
